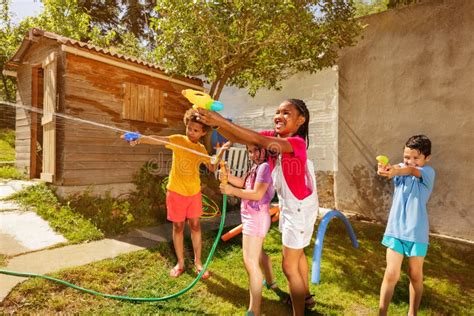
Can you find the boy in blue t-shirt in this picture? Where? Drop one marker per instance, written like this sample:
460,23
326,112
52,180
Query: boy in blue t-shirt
407,227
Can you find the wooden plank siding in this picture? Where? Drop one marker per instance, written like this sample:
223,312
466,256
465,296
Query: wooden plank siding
143,103
97,92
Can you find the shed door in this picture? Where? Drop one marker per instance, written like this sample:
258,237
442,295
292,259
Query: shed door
48,120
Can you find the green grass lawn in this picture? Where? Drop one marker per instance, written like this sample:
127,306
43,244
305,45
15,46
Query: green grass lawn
7,153
7,145
350,281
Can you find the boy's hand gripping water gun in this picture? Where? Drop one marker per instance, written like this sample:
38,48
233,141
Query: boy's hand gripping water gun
383,165
203,100
383,160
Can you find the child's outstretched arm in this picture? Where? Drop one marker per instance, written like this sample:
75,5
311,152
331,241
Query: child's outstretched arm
154,140
391,171
255,194
243,135
149,139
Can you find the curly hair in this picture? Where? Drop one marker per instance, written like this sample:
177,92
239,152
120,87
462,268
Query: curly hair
191,116
420,143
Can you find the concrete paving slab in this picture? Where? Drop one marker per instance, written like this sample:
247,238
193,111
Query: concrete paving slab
5,191
29,230
10,246
9,206
19,185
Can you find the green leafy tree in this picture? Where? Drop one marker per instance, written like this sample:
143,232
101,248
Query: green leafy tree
10,39
67,18
400,3
124,16
366,7
5,50
251,44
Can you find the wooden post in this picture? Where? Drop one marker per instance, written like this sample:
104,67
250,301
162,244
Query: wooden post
48,121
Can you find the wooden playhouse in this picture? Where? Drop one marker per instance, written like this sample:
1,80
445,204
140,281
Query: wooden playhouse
56,74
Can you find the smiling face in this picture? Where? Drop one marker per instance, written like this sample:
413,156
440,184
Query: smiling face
195,131
287,119
414,158
256,154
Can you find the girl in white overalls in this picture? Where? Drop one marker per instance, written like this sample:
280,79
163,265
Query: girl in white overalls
293,177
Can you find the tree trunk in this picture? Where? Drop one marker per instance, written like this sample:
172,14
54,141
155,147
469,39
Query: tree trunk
213,87
219,88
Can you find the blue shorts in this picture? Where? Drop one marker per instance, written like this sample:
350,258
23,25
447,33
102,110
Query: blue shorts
405,248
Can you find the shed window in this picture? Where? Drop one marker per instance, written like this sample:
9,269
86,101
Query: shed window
142,103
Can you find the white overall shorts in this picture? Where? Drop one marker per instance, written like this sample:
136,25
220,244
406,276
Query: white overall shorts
297,217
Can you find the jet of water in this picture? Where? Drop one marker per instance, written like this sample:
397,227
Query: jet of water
68,117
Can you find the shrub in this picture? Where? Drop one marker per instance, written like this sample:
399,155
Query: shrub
7,145
9,172
61,218
149,198
8,136
110,215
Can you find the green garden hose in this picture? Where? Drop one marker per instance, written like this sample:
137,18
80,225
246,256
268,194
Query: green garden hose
136,299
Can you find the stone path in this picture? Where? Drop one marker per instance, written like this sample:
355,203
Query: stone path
22,230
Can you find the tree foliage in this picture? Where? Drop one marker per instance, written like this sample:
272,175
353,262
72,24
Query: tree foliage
400,3
251,44
124,16
366,7
67,18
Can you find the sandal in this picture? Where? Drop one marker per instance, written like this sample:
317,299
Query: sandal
205,275
270,286
309,301
176,271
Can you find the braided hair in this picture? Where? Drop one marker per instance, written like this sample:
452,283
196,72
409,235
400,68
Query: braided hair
303,130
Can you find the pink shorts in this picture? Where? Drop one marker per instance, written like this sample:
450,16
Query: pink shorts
180,207
255,223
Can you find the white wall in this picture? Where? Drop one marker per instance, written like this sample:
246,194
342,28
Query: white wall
319,91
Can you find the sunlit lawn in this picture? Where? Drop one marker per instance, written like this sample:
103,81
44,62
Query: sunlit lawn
7,149
350,281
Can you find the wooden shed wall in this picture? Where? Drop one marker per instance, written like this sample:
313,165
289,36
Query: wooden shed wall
35,56
94,91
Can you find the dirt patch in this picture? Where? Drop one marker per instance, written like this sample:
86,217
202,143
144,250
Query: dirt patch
325,180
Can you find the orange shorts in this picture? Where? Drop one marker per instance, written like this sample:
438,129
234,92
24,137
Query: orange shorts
180,207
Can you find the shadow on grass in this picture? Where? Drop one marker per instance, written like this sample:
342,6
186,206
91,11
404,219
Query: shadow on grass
357,270
449,279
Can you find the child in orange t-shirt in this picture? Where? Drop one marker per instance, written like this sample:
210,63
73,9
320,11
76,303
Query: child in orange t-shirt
183,196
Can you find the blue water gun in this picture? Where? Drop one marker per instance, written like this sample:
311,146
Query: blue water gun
131,136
